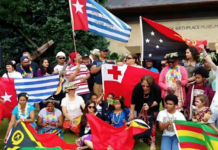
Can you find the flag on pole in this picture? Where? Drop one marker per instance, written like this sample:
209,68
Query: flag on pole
38,90
24,135
197,136
90,16
104,134
158,40
121,80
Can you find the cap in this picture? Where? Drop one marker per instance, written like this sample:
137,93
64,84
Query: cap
60,54
85,56
24,58
103,49
95,51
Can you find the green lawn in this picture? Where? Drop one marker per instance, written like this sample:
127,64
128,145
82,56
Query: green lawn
70,138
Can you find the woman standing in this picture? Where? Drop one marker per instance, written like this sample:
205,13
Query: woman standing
85,140
146,97
11,70
23,112
192,58
44,68
133,60
173,79
71,108
50,119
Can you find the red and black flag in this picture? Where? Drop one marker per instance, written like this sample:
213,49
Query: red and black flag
23,135
158,40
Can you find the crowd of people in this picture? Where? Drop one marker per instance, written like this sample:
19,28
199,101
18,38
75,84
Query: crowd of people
186,89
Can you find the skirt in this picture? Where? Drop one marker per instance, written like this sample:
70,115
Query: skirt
83,138
74,125
56,131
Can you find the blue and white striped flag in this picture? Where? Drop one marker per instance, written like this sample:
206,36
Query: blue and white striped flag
91,16
39,88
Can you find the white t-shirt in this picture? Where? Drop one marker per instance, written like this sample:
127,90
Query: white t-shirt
73,107
14,74
60,69
164,117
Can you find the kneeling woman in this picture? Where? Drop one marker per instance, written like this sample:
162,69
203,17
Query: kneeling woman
117,114
23,112
50,119
85,130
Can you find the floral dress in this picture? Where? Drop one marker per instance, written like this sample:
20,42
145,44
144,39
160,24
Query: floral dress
178,89
199,115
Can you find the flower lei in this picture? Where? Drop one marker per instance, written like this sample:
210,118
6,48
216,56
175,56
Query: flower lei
24,72
25,111
47,115
173,76
107,60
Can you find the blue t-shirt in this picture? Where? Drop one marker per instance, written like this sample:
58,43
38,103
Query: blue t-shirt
153,70
98,76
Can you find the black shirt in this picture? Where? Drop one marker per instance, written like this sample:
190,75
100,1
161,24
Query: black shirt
138,98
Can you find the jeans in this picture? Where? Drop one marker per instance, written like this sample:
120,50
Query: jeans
86,97
169,143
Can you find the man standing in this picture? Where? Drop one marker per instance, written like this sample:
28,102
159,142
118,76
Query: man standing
78,74
27,69
94,55
86,61
32,63
96,71
149,66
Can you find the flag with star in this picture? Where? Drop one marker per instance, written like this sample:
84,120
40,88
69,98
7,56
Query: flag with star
90,16
158,40
121,80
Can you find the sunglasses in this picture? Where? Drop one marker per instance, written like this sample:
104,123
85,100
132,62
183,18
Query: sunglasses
61,58
91,107
145,86
171,62
129,58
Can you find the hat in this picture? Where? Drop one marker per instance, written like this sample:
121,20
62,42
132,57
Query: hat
85,56
171,56
60,54
51,100
95,52
70,86
24,58
23,95
103,49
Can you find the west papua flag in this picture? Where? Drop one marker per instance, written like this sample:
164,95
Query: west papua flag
90,16
158,40
121,80
104,134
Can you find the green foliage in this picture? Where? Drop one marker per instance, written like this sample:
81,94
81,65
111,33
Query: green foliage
41,21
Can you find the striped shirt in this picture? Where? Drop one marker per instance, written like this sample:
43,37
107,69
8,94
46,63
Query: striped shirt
82,86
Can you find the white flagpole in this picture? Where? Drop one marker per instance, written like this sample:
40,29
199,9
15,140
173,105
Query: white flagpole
72,23
142,36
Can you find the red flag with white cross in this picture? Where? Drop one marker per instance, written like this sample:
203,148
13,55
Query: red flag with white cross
121,80
8,97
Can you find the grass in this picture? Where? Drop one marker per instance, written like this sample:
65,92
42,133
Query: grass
71,138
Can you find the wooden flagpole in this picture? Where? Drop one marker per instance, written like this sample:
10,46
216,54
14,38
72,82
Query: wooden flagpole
72,23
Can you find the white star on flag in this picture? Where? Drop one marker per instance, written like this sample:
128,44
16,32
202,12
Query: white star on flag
6,97
78,6
161,41
150,55
157,46
152,33
147,40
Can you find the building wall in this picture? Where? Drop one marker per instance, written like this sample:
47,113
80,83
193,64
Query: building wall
196,29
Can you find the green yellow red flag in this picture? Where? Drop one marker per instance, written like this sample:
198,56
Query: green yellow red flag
195,136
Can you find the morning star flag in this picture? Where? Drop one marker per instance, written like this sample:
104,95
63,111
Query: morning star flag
196,136
90,16
38,89
158,40
121,80
24,135
104,134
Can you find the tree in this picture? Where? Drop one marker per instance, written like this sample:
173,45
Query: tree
42,21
